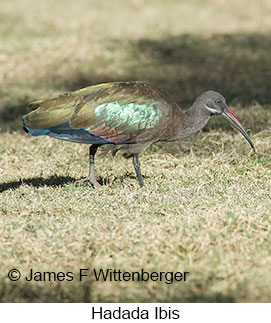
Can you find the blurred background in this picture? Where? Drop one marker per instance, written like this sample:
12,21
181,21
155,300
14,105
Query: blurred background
184,46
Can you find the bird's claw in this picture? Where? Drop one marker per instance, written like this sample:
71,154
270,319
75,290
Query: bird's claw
92,181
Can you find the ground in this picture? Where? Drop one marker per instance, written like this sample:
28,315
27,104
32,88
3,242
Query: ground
206,205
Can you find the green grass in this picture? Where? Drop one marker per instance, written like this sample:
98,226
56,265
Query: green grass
206,205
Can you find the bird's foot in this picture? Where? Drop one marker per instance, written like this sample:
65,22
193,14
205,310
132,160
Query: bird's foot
92,181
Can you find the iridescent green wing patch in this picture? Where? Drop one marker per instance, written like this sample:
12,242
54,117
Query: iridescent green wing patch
129,116
118,122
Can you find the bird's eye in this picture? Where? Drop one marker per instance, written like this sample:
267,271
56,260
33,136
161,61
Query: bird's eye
218,101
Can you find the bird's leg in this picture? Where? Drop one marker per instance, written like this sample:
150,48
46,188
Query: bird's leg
136,164
91,178
92,152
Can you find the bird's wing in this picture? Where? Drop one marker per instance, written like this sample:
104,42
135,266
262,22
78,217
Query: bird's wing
115,112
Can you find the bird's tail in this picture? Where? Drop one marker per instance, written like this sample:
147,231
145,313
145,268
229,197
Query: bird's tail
47,114
34,132
52,117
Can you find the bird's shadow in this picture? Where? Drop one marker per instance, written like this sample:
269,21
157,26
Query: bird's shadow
109,180
38,182
59,181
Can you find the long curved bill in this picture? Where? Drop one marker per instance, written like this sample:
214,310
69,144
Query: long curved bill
231,117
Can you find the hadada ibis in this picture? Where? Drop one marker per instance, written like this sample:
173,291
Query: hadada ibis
127,116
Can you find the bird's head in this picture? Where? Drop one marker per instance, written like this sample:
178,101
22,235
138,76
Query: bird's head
215,104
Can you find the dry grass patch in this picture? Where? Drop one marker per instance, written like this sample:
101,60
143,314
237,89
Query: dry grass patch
203,213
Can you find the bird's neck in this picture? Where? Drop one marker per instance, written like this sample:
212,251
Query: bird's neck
194,119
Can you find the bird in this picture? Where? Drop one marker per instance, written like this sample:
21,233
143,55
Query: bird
124,116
